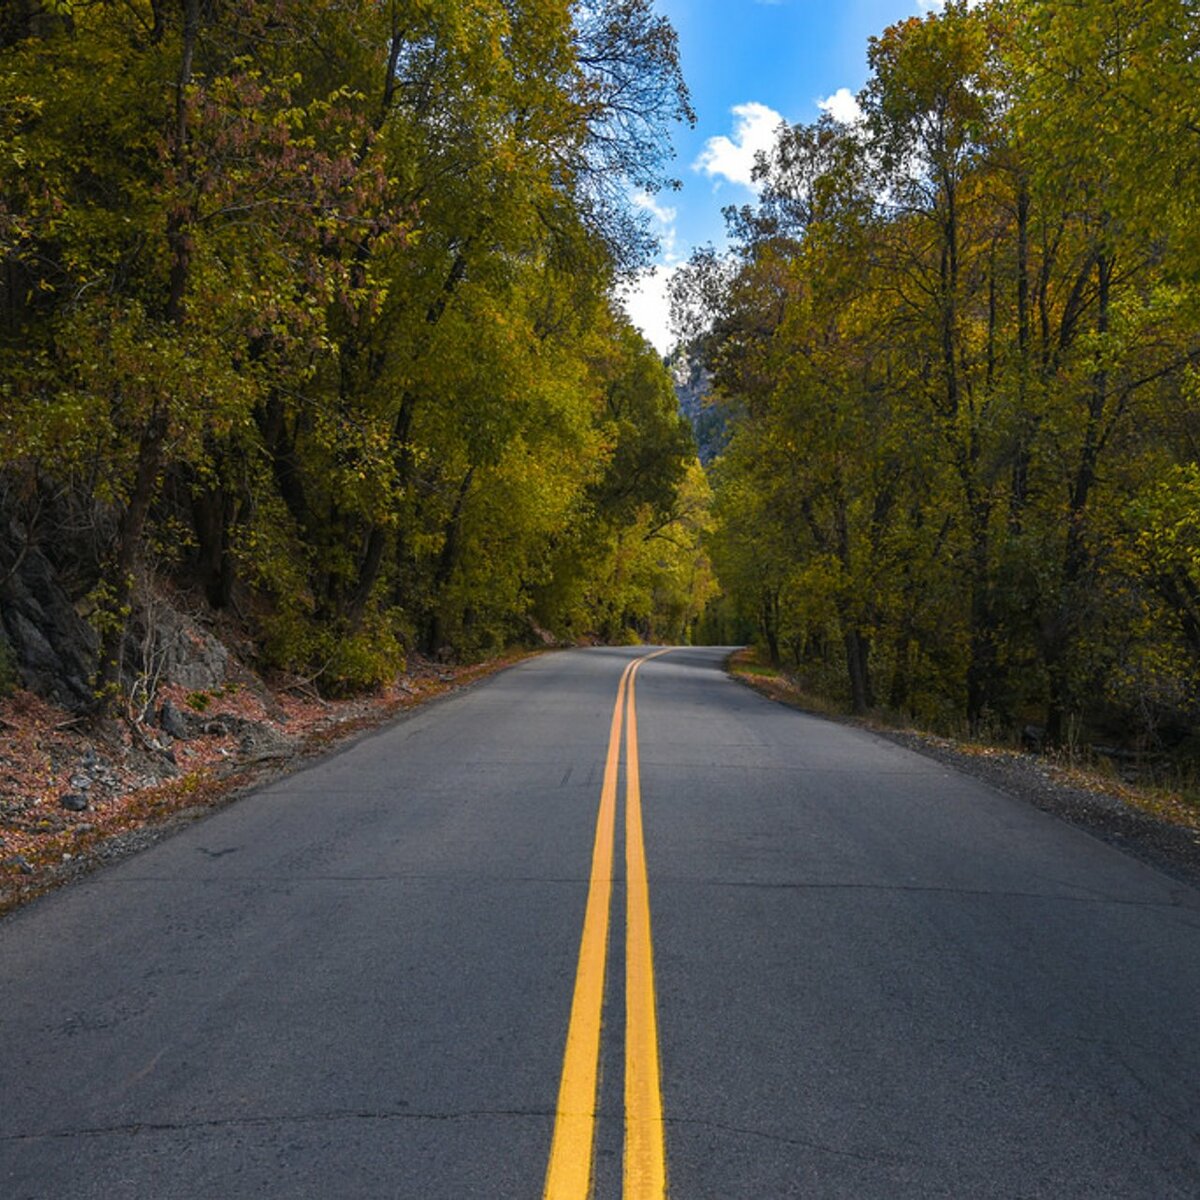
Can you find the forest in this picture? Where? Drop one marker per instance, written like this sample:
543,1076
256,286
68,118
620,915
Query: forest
956,348
306,324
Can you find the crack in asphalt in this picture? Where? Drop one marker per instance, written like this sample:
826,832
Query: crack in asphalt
1166,1111
783,1139
1180,903
136,1128
132,1128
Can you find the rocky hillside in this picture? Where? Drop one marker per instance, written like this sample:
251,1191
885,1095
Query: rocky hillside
692,389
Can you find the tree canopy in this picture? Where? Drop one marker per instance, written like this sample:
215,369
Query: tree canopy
306,305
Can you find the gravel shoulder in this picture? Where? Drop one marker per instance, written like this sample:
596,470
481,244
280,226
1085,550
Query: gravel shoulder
1169,842
1171,847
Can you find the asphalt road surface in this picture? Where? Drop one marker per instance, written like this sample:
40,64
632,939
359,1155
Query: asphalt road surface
402,972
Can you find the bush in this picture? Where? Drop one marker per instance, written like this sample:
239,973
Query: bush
339,663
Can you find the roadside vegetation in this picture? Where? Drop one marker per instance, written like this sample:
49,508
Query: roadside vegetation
956,348
312,384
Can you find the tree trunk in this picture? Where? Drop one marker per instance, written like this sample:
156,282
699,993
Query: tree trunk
130,529
982,666
285,463
1076,556
132,523
768,623
214,512
1019,493
447,561
898,696
858,652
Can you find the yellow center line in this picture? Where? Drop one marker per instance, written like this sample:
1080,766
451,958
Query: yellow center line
569,1174
645,1149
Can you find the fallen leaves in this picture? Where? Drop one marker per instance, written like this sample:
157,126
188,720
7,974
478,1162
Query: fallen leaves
132,777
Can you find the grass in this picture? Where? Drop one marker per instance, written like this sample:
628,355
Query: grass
748,665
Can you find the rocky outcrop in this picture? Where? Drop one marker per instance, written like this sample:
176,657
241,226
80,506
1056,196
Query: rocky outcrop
52,648
174,648
692,391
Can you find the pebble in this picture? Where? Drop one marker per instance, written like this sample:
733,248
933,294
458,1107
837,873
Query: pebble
73,802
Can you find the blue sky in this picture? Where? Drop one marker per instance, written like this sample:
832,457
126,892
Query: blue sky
749,64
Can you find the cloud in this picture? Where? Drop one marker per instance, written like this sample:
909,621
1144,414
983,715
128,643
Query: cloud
663,218
647,303
754,130
842,106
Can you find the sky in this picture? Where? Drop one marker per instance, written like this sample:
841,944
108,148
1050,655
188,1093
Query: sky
749,64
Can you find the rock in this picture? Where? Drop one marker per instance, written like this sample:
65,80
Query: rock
54,647
170,720
73,802
81,783
184,652
20,862
216,728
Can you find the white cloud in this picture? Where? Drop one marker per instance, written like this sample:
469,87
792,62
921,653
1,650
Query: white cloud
842,106
647,303
754,130
663,217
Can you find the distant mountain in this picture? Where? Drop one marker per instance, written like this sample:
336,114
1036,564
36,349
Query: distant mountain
692,389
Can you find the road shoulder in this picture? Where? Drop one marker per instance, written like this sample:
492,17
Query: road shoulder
1167,839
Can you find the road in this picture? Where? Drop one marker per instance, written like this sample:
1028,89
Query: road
869,976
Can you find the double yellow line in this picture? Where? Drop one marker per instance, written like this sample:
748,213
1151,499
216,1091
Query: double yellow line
569,1174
